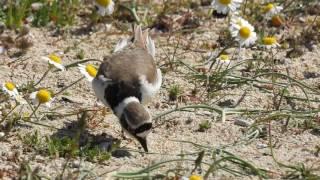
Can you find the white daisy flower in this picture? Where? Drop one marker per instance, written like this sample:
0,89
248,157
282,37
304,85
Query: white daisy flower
10,88
42,96
236,22
192,177
54,60
89,71
224,6
104,7
224,59
270,10
243,32
270,42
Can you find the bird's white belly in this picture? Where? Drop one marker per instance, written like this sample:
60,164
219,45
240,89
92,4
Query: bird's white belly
148,90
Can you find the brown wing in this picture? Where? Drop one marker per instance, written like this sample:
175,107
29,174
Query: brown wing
128,65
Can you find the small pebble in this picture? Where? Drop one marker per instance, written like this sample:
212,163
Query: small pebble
227,103
189,120
261,146
75,164
2,134
310,75
285,61
243,122
39,159
2,49
157,105
301,19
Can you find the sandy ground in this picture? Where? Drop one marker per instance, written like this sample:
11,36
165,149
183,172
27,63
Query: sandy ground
291,147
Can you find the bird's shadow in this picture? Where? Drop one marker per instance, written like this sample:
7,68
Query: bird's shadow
83,30
104,142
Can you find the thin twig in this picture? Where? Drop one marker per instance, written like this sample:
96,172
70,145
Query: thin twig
63,89
43,76
5,117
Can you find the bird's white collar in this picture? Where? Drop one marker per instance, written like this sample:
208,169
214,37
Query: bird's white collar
119,109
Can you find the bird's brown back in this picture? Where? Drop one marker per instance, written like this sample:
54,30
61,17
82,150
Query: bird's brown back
128,65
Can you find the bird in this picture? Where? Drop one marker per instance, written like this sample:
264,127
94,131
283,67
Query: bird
127,80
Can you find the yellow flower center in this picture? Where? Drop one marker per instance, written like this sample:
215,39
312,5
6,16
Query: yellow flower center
10,86
55,58
195,177
43,96
268,7
244,32
103,2
92,71
269,40
224,57
225,2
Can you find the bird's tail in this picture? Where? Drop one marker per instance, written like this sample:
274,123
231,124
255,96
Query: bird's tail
143,40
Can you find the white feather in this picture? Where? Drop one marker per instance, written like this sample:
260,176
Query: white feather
119,109
150,89
138,37
144,133
121,44
151,47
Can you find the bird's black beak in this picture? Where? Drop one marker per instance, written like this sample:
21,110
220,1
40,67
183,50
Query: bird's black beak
143,142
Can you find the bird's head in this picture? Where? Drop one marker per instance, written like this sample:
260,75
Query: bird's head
135,119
